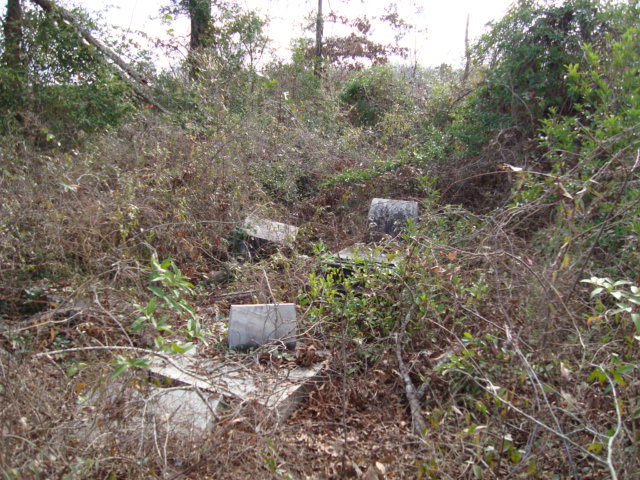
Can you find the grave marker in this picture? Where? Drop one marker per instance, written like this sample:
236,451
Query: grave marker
255,325
389,217
279,391
259,234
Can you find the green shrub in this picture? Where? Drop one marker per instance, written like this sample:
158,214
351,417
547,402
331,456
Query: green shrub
372,93
524,58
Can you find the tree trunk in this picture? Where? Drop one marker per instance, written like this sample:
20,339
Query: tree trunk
467,54
317,64
13,55
12,89
200,14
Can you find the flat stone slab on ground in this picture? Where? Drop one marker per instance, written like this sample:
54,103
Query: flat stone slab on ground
390,216
365,253
279,391
259,324
270,231
185,410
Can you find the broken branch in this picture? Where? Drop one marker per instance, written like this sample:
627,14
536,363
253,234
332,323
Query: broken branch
126,72
417,421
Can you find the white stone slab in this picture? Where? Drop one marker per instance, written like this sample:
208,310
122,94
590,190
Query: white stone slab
185,410
279,391
366,253
390,216
270,231
255,325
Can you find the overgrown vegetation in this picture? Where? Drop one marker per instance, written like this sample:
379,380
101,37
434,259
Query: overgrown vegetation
504,341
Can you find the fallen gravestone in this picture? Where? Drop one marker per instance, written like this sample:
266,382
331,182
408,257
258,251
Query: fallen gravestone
255,325
365,254
358,259
188,411
277,390
390,217
258,235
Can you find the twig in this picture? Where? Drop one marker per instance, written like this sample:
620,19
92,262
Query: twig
47,322
266,278
112,317
206,402
612,438
418,424
144,351
234,294
605,222
538,386
492,391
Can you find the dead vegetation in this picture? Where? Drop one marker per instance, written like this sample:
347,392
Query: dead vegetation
482,354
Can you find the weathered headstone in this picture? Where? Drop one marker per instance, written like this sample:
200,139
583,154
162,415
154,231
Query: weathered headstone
390,217
259,234
255,325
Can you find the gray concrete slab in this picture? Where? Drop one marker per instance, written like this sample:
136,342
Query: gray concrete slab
278,390
270,231
187,411
366,253
255,325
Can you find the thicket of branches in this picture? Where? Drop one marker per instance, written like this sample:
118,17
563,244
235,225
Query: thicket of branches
503,345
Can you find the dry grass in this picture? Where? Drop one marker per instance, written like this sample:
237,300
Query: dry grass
502,345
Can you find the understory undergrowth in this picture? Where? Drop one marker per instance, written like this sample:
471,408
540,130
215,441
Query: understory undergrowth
496,338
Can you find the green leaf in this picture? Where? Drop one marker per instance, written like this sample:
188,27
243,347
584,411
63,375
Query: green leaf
175,305
188,308
72,370
516,456
619,379
157,291
626,369
598,375
596,291
166,264
477,471
139,362
532,467
138,324
181,347
119,370
595,447
151,306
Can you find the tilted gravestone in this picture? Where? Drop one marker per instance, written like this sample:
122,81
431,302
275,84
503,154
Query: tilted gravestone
389,217
255,325
259,234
